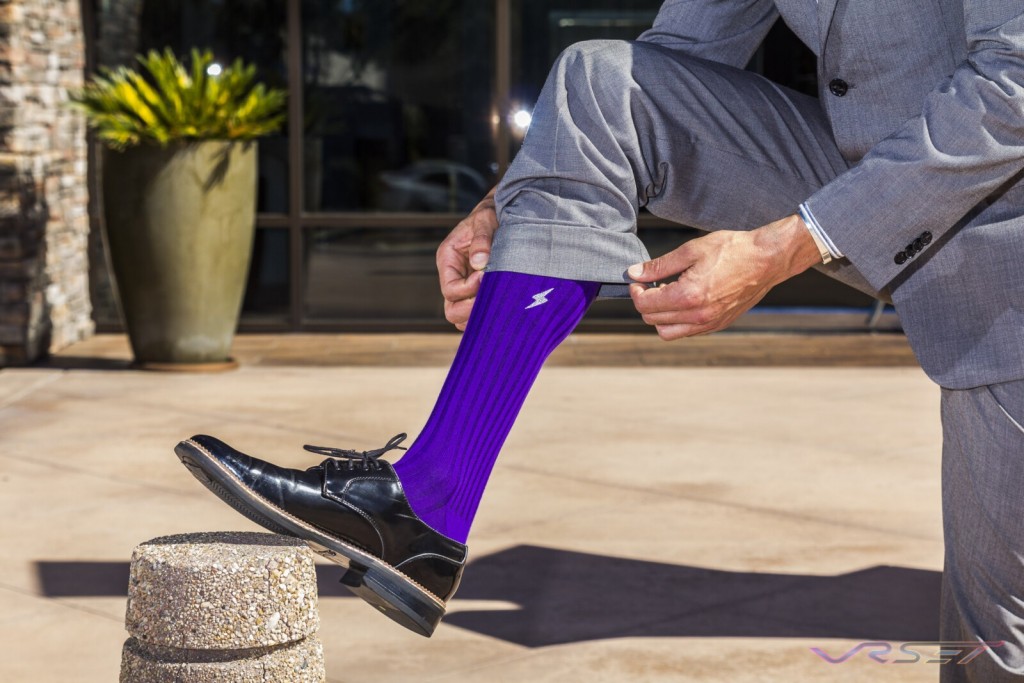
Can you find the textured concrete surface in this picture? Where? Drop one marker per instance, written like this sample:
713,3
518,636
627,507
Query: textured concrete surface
222,591
643,523
298,662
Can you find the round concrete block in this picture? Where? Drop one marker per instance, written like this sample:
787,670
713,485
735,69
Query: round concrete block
225,590
300,662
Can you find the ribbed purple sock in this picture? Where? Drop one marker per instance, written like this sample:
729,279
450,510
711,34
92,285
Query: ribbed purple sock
516,322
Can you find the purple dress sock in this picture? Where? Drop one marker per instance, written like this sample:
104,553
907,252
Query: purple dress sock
516,322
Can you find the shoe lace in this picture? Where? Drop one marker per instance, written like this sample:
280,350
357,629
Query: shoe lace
367,459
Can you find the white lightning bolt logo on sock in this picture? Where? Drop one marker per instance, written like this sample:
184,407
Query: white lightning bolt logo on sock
539,299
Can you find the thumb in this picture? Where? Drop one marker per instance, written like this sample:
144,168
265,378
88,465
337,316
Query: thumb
480,252
480,246
672,263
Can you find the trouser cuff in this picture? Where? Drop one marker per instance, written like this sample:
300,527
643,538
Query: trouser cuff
570,252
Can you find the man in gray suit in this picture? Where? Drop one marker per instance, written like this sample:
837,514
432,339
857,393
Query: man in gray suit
903,179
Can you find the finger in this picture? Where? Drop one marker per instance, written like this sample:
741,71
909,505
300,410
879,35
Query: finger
453,248
647,299
480,252
455,286
483,234
672,332
673,297
457,312
698,316
452,262
672,263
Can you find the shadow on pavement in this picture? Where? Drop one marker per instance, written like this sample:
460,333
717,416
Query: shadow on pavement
568,597
83,363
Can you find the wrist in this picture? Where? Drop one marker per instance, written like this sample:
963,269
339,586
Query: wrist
792,244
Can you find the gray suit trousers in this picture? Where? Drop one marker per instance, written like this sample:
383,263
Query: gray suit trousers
625,125
983,525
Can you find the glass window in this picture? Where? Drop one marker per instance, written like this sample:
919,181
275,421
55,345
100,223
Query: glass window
251,29
397,102
372,275
267,291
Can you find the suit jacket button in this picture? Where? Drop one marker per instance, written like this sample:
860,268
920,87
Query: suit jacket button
919,244
901,258
838,87
926,238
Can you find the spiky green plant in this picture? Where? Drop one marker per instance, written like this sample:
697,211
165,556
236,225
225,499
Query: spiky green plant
168,102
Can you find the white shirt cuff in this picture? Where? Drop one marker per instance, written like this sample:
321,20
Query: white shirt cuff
815,229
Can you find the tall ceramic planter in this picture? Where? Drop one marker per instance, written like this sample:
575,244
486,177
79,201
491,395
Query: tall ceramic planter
180,224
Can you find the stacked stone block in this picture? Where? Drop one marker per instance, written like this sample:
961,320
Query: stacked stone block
226,607
44,226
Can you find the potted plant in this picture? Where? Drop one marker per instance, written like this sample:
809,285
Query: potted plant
179,197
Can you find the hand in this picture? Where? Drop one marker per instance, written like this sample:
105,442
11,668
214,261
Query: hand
461,259
722,275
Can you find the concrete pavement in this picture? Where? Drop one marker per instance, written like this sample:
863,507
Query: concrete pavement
643,523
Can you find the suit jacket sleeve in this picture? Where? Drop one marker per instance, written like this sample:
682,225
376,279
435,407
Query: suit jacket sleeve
966,143
724,31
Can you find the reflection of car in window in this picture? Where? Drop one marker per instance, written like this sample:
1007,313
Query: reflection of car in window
432,185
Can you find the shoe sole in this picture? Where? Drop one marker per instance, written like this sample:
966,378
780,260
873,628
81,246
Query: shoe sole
387,589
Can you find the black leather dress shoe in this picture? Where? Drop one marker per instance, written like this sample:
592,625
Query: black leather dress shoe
351,510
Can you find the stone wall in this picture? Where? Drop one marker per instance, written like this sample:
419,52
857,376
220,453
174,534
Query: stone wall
44,225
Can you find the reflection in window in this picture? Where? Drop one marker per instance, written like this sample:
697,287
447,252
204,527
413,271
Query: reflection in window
541,29
267,291
397,104
367,274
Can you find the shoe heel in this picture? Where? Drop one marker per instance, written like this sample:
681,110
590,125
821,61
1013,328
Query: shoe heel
354,576
394,598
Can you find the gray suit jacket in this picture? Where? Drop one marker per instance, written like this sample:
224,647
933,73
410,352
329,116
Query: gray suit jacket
932,120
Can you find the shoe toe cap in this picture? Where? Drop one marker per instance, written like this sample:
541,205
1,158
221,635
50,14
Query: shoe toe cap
241,465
